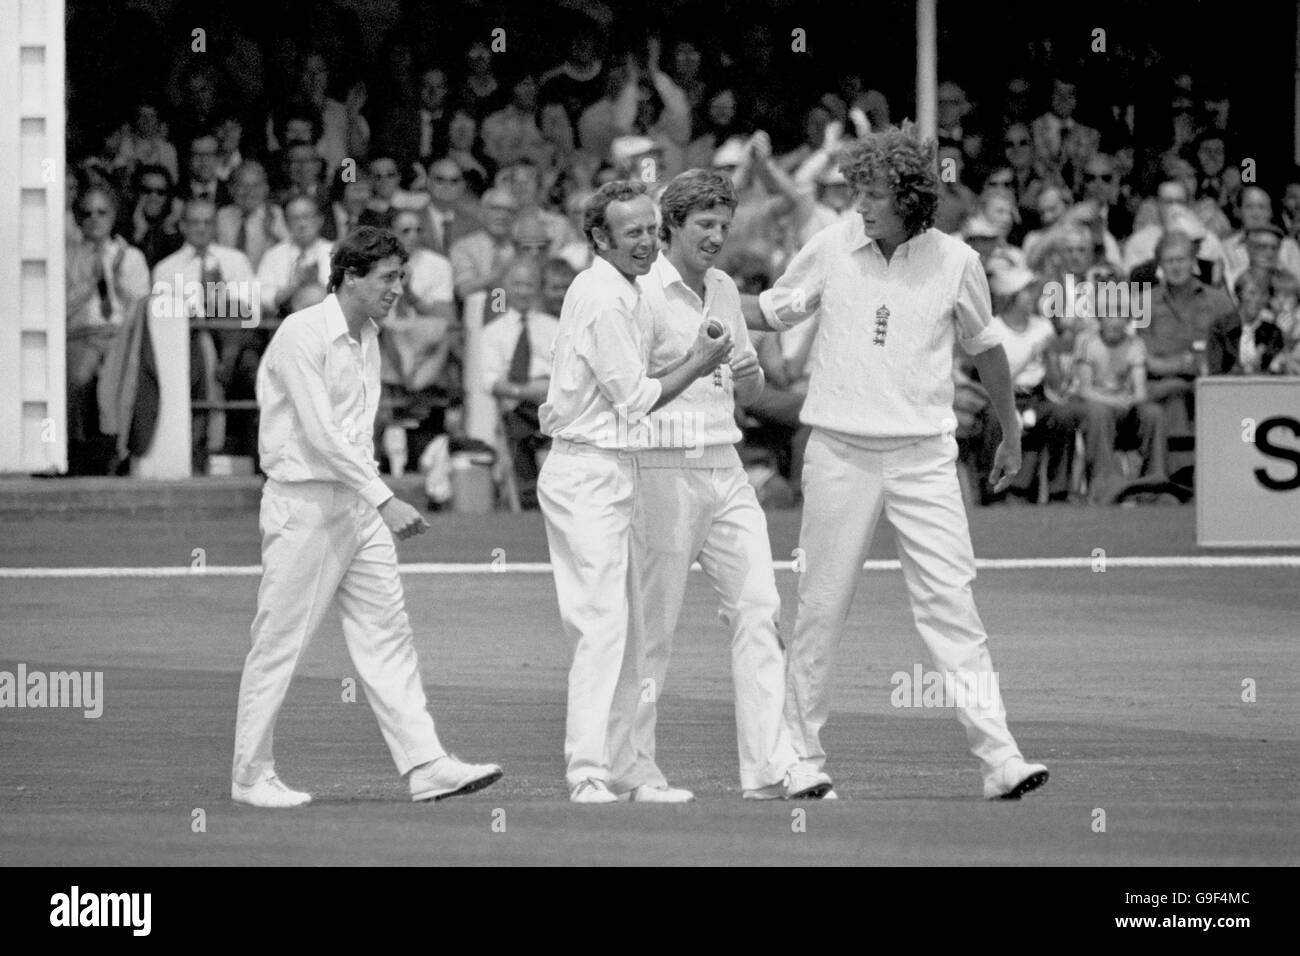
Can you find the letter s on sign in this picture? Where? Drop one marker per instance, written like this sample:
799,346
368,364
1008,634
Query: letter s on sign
1263,441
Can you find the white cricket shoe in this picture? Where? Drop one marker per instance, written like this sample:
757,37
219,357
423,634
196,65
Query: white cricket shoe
592,790
269,792
1014,779
799,784
665,794
450,777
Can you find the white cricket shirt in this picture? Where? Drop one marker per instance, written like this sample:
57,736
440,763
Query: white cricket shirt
881,366
599,386
318,389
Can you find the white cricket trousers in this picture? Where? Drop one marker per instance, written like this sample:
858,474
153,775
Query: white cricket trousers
322,542
587,496
845,488
713,515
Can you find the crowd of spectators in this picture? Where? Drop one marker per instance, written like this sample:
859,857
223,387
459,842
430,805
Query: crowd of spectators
247,168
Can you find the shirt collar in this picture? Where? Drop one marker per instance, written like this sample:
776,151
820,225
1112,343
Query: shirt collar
336,323
858,238
667,275
608,272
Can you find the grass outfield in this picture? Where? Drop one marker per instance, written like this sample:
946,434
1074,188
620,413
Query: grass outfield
1127,683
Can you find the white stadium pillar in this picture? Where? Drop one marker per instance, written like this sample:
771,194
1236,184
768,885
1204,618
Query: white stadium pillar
927,91
33,413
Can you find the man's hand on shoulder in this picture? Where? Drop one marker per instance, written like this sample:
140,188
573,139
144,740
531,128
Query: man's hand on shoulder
403,520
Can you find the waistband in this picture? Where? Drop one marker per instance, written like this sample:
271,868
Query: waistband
308,490
705,456
565,447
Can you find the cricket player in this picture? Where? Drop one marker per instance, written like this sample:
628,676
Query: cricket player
600,391
695,502
328,523
893,294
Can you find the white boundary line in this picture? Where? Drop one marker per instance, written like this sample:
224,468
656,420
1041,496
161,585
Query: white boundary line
542,567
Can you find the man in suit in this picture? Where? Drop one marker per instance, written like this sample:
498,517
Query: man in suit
1061,142
417,132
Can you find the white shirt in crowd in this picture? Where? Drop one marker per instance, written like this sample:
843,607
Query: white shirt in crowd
1026,350
263,228
676,314
430,279
126,281
501,336
280,263
600,390
188,265
318,390
881,369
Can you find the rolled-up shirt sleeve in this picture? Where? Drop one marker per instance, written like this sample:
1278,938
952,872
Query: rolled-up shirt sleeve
797,295
607,345
301,370
972,310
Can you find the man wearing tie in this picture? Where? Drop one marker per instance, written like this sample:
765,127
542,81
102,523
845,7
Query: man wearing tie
250,224
210,281
1061,143
301,260
449,216
517,367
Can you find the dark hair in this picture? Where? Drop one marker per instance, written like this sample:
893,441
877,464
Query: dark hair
299,109
150,169
691,191
360,249
110,196
906,163
1174,237
593,214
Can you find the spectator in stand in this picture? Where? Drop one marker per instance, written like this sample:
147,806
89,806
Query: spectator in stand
557,276
717,124
511,134
144,142
106,279
1052,204
229,130
1173,198
481,94
516,355
814,131
201,180
597,124
198,102
157,213
302,259
304,174
1026,180
413,133
579,81
524,180
344,131
1101,185
479,260
1263,248
1183,310
1061,143
349,205
559,141
684,68
957,201
576,252
1049,424
450,214
465,148
224,278
1255,211
658,109
251,224
1284,303
1291,206
953,110
1110,371
1215,179
385,186
1244,342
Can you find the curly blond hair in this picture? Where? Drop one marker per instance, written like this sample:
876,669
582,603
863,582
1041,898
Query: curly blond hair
901,158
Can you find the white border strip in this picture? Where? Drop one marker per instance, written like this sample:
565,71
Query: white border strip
542,567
